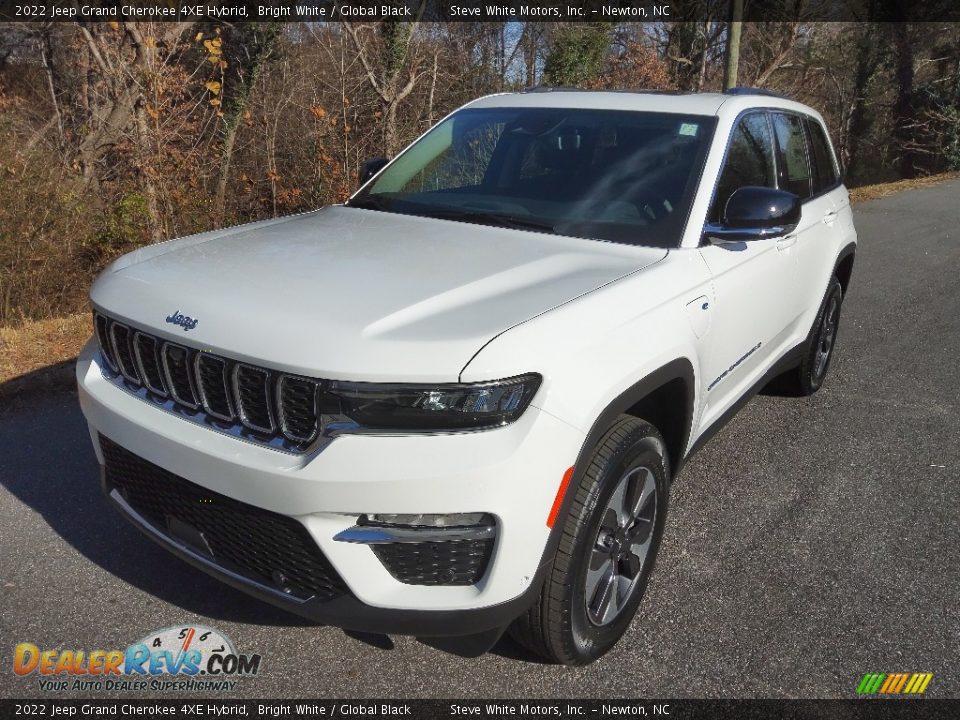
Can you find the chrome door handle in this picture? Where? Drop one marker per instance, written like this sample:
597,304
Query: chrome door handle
786,242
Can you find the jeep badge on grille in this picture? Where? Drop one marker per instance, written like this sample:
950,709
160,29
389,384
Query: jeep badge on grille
187,323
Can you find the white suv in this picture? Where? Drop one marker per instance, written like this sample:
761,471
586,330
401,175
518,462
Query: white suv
456,403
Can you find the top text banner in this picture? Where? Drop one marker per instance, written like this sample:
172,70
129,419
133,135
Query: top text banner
476,10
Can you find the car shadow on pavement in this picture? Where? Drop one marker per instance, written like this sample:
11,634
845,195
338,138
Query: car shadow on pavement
505,647
48,463
510,649
374,640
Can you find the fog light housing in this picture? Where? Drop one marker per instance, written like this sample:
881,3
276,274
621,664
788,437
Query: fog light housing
428,548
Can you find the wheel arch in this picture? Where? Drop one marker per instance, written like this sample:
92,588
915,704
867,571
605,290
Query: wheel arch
665,398
843,267
672,382
669,408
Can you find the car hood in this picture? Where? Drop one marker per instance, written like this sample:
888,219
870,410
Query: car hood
357,294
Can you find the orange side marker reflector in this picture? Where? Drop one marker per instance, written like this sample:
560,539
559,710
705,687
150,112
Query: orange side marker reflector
558,501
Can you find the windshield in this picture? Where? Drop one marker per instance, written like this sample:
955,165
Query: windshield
615,175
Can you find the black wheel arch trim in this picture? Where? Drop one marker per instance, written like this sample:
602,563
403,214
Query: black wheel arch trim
849,251
678,369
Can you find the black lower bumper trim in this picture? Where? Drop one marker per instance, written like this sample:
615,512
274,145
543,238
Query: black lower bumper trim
345,611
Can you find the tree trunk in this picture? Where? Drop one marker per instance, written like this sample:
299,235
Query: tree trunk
903,106
46,52
857,120
702,74
433,87
733,45
150,194
226,159
530,56
391,134
395,49
259,39
119,102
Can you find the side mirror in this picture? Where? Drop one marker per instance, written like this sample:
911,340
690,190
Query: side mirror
371,167
755,213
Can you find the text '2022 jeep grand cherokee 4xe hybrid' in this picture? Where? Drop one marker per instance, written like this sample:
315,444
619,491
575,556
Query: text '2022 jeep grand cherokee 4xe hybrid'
456,402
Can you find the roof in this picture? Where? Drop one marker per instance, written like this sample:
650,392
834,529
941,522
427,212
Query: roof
641,100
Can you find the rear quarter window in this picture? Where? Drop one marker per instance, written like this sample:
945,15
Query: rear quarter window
825,175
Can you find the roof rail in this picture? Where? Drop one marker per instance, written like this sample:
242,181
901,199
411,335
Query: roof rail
754,91
640,91
550,88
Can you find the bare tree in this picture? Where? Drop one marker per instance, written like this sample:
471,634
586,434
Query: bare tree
389,52
252,45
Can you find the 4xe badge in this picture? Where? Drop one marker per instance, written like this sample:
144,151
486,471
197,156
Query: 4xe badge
175,658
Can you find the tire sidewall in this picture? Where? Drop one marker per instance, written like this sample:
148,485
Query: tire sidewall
591,641
810,380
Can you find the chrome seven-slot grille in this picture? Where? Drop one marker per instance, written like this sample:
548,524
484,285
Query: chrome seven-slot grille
265,406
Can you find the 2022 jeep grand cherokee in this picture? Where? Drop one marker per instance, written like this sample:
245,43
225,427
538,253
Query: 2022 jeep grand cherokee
457,401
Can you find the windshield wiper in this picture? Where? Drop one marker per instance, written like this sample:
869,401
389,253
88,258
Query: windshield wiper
372,202
481,218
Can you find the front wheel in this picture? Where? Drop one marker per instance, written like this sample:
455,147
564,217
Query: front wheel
607,549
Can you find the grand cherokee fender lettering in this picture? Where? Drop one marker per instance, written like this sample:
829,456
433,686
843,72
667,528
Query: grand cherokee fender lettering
735,365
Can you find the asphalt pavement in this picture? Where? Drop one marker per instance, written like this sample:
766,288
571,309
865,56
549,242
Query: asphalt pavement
810,542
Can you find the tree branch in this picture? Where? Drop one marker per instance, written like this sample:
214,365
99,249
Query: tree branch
95,51
361,53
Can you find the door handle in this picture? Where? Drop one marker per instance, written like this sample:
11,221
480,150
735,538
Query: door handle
829,217
786,241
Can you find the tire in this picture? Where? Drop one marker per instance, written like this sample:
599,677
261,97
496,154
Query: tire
809,376
569,623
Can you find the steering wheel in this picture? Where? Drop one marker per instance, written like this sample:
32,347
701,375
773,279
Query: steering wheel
654,205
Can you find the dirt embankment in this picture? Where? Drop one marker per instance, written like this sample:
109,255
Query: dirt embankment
39,355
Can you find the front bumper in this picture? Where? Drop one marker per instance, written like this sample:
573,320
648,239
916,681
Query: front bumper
512,473
345,611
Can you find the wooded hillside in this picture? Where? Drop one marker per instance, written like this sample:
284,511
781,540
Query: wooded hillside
118,134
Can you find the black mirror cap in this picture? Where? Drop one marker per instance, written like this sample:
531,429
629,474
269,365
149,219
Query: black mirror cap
762,208
372,167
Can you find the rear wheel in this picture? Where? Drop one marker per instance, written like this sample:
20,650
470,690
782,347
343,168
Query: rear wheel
808,378
607,549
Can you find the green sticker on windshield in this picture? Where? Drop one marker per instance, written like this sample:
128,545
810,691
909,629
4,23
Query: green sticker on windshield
689,129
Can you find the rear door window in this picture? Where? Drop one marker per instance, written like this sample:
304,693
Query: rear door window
793,168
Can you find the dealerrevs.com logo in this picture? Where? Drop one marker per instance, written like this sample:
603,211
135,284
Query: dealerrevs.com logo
175,658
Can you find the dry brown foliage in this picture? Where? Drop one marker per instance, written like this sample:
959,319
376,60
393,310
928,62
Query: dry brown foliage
113,135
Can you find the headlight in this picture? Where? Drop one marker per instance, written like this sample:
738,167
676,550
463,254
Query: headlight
427,408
